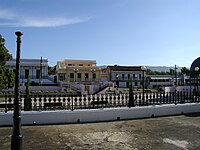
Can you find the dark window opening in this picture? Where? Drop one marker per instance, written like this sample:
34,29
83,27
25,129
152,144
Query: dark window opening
71,75
79,75
26,73
86,75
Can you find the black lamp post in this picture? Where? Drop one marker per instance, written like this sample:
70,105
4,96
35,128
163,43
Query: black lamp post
176,80
93,71
196,69
117,81
16,139
85,83
40,82
75,70
143,86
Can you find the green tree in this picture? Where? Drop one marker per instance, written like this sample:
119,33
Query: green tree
4,54
171,72
150,72
27,100
51,70
185,71
7,77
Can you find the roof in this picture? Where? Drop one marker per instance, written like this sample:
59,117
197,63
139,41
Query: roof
29,60
73,60
126,68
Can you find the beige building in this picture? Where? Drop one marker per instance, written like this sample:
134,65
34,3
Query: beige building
81,71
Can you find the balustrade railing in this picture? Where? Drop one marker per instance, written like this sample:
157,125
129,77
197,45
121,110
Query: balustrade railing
66,102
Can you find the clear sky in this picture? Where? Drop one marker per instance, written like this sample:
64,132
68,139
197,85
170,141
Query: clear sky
123,32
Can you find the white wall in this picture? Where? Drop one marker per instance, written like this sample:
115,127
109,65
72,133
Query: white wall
178,88
122,84
67,116
39,88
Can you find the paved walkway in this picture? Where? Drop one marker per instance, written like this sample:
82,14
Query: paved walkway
165,133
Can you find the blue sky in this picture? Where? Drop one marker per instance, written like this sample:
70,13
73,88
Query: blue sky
123,32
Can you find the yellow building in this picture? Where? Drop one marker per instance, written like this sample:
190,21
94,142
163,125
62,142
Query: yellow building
81,71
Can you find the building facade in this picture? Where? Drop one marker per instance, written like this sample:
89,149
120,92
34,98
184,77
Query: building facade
122,75
157,81
78,71
35,69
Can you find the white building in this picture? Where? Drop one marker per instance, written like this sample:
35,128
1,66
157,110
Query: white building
36,69
157,81
122,75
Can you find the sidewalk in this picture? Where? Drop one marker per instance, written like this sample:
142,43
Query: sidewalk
164,133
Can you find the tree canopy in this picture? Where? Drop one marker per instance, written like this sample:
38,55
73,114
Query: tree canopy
151,72
4,54
184,70
7,76
51,70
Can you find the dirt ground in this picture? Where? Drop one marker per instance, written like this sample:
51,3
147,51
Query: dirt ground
164,133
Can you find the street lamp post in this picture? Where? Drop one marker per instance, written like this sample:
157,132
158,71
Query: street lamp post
143,86
75,71
196,69
117,82
93,71
176,80
40,81
16,138
85,84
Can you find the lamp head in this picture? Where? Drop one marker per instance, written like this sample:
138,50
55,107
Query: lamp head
196,69
18,33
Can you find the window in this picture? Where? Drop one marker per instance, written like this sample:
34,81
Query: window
61,77
140,76
123,76
133,75
71,75
129,76
69,64
80,64
79,75
136,84
86,75
94,75
37,74
26,73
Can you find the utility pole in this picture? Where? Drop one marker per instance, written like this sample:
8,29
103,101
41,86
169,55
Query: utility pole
16,138
175,82
41,71
175,75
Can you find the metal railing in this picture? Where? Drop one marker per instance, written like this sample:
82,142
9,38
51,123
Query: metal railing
66,102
